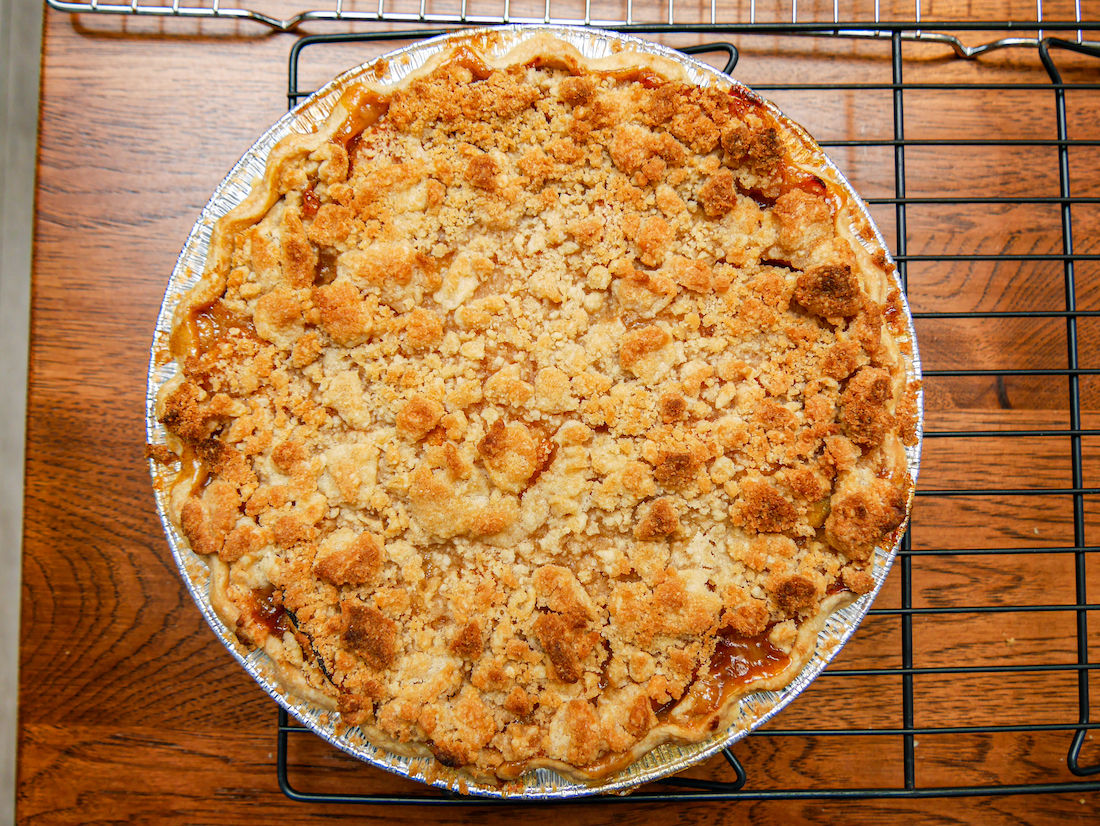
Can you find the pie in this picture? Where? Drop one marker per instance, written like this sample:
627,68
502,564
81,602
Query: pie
534,410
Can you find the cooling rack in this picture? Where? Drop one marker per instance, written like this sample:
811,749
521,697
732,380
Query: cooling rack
1049,96
1054,251
784,16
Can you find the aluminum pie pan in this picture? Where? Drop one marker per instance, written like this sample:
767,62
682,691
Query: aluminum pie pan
542,784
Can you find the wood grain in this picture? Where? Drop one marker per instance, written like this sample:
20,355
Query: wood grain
131,711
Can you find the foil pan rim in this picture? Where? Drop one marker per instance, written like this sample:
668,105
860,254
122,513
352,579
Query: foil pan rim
542,784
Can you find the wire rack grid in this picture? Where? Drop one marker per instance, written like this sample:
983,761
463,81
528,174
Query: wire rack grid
1046,99
858,19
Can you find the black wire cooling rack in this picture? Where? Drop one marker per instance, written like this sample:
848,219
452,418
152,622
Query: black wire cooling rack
1047,101
1045,98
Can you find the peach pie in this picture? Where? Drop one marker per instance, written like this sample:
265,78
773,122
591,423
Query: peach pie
534,410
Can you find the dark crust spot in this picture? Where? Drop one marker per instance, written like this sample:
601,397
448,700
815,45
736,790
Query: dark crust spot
554,637
830,291
369,633
796,594
225,462
577,91
495,441
758,149
182,415
765,510
719,194
675,468
161,454
450,758
467,642
660,521
672,407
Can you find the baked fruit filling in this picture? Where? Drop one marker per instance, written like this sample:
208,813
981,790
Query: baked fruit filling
531,413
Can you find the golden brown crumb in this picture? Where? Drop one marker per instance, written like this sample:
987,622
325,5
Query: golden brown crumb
423,330
288,454
806,483
802,217
844,357
482,171
195,527
240,541
639,343
519,702
640,717
290,530
696,276
331,225
183,414
357,563
354,709
418,417
659,521
748,619
495,441
764,509
908,414
277,312
653,237
299,259
577,91
858,581
758,148
863,411
306,350
860,520
344,315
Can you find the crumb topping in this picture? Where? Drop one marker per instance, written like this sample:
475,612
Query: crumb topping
517,399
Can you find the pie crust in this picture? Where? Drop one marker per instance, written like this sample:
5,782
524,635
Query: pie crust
533,411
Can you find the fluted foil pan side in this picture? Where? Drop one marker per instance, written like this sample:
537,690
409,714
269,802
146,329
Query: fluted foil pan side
542,784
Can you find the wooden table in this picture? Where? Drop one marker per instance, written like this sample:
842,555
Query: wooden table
130,710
